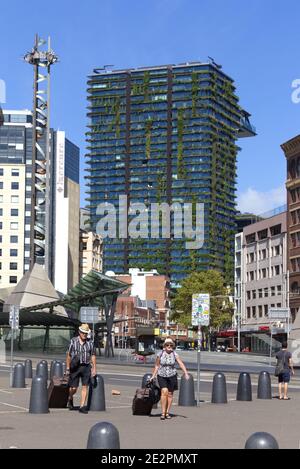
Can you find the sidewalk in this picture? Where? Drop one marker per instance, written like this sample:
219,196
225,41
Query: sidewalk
206,426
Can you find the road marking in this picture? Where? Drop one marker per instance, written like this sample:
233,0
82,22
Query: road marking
16,406
120,407
11,412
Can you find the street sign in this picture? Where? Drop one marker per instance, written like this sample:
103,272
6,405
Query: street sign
89,314
200,309
14,317
279,313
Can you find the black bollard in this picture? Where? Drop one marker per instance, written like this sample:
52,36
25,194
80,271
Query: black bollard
261,440
51,368
57,369
96,398
38,396
146,379
28,368
264,390
42,369
103,435
19,376
219,392
244,391
187,392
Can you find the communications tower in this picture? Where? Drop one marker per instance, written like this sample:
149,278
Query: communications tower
42,58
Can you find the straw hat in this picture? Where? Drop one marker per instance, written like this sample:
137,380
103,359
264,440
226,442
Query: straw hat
84,328
169,341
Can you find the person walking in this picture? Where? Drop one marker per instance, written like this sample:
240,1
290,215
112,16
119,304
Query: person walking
284,376
80,363
167,375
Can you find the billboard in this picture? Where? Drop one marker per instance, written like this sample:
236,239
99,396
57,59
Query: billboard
200,309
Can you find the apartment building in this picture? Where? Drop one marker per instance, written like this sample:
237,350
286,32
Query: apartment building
166,134
261,278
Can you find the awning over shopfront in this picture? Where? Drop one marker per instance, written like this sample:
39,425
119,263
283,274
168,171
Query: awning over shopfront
95,289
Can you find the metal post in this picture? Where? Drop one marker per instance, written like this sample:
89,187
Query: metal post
271,339
198,361
239,332
288,301
11,355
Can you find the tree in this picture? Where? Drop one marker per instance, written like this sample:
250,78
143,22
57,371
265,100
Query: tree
212,282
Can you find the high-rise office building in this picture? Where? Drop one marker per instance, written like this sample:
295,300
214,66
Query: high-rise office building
166,134
15,203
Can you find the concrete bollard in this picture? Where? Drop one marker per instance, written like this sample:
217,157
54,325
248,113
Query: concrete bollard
96,398
51,368
103,435
219,391
261,440
57,369
187,392
42,369
244,391
28,368
264,390
19,376
38,396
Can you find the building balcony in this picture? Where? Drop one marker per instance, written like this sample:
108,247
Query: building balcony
292,183
246,129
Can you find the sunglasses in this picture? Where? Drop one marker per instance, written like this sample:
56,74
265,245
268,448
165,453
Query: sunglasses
169,345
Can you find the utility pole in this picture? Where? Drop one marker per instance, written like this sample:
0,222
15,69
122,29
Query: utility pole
40,181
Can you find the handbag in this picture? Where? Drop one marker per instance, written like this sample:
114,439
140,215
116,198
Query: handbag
75,363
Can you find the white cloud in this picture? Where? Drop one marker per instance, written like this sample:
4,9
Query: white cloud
253,201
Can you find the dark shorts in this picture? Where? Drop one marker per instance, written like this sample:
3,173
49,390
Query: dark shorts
83,372
171,383
284,377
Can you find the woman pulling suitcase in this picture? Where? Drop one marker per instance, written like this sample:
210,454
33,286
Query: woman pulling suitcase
167,375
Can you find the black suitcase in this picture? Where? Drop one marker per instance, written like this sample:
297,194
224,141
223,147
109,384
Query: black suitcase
58,392
142,402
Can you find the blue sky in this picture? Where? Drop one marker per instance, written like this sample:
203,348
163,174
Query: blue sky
257,42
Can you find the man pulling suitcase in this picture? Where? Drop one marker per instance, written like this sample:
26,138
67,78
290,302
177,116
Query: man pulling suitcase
80,364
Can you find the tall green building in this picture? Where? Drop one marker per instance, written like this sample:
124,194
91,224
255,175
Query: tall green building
166,134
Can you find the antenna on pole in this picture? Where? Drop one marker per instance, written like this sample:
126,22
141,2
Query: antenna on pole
41,60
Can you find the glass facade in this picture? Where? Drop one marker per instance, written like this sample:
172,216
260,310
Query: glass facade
16,148
165,135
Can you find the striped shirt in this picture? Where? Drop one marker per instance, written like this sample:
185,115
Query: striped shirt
84,350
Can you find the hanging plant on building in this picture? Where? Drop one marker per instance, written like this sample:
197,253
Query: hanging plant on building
180,126
195,89
148,128
146,83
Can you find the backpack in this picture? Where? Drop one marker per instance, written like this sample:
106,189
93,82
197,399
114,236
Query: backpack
280,366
